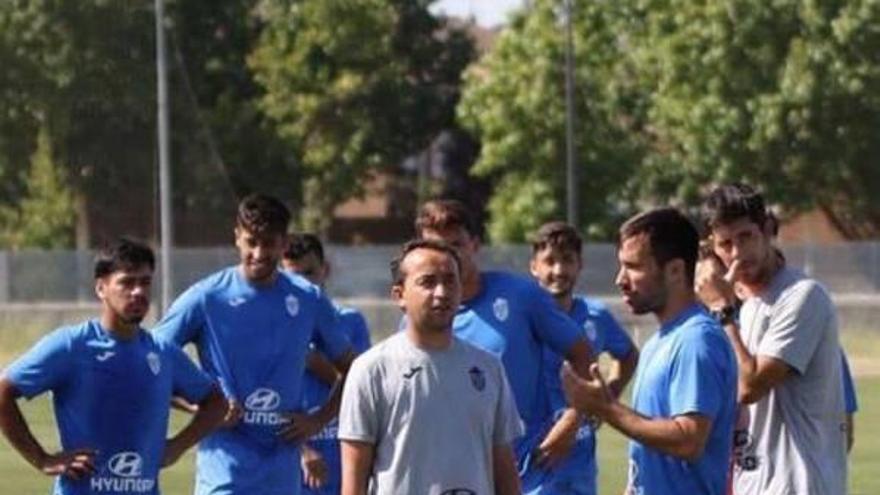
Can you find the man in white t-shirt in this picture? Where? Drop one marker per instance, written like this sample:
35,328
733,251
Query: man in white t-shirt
424,412
790,437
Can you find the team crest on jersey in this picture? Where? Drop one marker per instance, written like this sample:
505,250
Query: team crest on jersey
590,330
501,309
478,378
154,363
292,305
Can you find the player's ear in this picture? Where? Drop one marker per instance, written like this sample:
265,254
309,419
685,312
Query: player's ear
397,295
675,269
99,287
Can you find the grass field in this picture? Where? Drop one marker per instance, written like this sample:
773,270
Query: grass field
864,349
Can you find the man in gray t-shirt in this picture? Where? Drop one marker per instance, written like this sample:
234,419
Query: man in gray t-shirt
790,437
424,412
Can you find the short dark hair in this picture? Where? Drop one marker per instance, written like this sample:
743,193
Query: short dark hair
398,275
301,244
730,202
123,254
441,214
670,234
262,214
558,235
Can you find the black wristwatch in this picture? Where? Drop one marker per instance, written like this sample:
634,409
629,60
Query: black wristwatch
726,315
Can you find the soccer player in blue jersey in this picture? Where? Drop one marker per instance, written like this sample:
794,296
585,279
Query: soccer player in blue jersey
111,385
556,264
684,395
252,325
321,463
512,317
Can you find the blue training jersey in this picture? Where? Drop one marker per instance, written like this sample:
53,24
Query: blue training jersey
316,393
254,340
515,319
688,366
849,388
112,396
604,334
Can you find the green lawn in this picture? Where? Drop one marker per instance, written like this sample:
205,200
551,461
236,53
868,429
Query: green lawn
19,478
863,347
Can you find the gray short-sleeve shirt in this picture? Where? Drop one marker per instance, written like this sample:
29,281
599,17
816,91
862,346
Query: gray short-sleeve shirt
792,441
433,416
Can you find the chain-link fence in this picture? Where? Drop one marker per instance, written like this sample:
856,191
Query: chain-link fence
362,271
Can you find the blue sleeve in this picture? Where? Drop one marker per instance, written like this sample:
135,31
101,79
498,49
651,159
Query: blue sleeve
188,381
697,382
552,327
358,332
45,366
184,320
849,388
552,382
617,341
329,336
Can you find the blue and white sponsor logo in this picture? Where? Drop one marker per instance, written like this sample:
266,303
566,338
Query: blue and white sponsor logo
154,363
126,464
590,330
501,309
127,470
292,305
261,408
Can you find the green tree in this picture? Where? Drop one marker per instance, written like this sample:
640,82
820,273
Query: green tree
513,101
86,70
674,96
785,94
354,86
236,149
45,217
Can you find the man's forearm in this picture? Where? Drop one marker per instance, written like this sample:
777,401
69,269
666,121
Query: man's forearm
565,427
322,368
504,471
330,408
745,360
357,463
664,434
15,428
208,416
621,373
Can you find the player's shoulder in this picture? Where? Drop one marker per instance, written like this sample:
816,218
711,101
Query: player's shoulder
794,285
75,334
474,352
348,312
593,306
217,282
380,356
299,285
702,329
514,284
158,342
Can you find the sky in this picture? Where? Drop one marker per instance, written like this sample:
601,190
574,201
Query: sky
489,13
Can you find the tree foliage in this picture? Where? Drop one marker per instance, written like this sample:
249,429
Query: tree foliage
355,86
513,102
677,95
45,217
86,72
785,94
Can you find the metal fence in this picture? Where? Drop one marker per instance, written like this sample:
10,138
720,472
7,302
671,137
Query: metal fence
362,271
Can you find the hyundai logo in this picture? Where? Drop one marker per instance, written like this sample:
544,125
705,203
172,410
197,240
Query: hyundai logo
263,399
126,464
